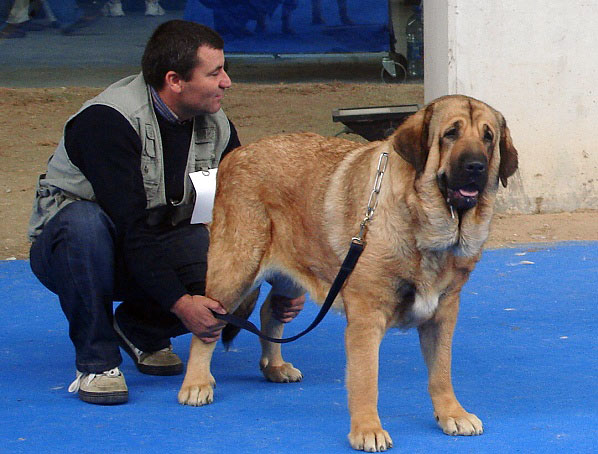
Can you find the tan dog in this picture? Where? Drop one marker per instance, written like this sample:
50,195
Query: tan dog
294,202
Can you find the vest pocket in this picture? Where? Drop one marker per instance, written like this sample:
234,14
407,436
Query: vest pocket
151,176
150,165
150,180
151,189
48,201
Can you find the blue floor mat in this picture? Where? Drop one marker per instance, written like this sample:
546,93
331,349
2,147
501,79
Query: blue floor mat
525,361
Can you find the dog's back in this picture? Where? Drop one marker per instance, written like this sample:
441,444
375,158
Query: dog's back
283,162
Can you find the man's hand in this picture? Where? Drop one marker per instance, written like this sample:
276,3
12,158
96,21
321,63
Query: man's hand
286,309
194,312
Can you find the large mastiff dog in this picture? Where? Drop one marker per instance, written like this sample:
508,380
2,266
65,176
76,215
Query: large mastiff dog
293,203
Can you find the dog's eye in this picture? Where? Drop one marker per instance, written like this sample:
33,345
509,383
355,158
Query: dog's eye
451,133
488,136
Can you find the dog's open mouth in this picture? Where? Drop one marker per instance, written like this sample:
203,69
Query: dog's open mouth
463,198
463,195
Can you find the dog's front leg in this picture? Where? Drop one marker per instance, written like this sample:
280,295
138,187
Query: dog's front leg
362,343
436,337
272,364
198,385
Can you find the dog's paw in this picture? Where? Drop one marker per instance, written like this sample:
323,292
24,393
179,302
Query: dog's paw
285,373
462,424
197,395
370,439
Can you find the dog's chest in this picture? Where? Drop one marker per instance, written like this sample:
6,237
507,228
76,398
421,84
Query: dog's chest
423,294
423,308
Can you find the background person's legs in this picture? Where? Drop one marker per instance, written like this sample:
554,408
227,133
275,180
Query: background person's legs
69,16
19,12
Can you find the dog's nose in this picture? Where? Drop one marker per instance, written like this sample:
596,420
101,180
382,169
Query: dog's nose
475,167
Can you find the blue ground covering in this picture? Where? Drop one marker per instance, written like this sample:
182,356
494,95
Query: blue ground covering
525,361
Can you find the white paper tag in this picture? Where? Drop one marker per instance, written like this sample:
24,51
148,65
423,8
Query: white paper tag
204,183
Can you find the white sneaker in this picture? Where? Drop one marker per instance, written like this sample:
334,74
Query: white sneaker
113,8
153,8
106,388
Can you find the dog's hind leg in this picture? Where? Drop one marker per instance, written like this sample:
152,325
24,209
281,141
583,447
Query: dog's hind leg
237,247
198,386
272,364
239,239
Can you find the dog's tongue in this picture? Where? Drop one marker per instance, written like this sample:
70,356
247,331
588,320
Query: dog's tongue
468,193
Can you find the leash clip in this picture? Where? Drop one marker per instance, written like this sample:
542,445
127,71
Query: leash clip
362,227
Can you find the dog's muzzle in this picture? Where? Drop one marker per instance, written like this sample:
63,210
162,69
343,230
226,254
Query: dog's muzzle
464,185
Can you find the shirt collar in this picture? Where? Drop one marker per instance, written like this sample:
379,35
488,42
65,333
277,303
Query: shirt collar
165,111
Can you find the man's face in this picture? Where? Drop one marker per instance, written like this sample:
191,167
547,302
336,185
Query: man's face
204,91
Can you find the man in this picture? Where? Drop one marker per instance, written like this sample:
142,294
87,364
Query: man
111,215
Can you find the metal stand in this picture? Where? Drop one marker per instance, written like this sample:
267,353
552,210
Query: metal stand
373,123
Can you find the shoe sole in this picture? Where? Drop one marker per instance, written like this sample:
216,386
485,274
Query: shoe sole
175,369
12,35
83,22
113,398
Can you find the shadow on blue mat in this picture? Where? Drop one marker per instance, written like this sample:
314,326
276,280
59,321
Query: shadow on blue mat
524,361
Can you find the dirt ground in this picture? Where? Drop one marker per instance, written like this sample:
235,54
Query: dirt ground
32,121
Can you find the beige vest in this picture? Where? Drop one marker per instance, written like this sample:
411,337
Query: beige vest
63,182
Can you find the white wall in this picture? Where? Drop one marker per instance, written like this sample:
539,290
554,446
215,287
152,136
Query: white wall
536,61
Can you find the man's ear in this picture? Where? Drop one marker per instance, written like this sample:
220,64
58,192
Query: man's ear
172,80
508,154
410,140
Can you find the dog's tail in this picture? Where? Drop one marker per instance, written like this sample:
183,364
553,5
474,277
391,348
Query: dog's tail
244,310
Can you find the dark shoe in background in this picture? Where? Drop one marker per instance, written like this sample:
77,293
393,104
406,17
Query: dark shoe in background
11,31
85,21
30,26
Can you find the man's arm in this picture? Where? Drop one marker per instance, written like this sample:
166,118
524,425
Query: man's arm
106,148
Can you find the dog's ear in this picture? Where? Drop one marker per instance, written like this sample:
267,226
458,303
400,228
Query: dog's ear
410,140
508,154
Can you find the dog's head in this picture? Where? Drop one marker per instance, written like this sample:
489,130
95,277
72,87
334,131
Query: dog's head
473,143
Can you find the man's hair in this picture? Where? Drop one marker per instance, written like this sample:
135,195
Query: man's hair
173,47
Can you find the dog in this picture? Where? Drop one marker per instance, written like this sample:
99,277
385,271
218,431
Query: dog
293,202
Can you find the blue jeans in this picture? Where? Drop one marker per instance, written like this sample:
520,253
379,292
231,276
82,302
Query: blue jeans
66,11
76,257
